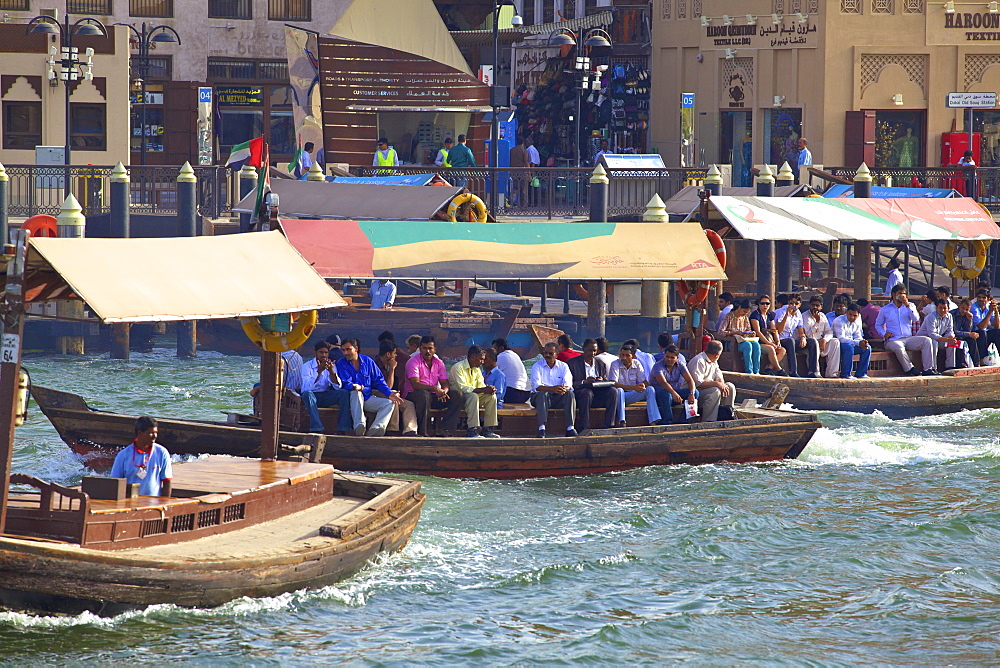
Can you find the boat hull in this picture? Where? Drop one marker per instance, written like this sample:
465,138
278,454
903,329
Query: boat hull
895,397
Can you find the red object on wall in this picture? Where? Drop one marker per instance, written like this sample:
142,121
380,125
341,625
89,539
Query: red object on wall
955,144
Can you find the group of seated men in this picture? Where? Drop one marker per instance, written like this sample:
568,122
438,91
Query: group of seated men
400,387
964,330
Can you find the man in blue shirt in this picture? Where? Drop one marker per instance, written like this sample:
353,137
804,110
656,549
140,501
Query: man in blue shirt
360,372
383,294
985,320
493,375
321,388
145,461
895,324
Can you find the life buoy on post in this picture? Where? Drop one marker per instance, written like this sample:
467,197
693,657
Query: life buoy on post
279,342
41,225
467,198
718,246
693,293
977,249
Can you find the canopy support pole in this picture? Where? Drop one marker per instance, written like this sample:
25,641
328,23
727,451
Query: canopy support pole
597,307
270,400
10,365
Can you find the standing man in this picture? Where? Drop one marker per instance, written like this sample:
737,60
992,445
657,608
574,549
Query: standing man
628,374
939,327
552,387
467,378
519,163
849,330
145,461
534,160
895,324
442,157
716,396
493,375
461,155
321,388
427,387
805,157
820,340
603,150
895,276
587,369
385,156
383,293
513,370
360,373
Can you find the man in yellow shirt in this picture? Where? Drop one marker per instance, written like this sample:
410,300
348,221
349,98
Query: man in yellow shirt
467,377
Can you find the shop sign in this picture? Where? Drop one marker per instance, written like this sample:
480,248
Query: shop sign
788,34
973,100
530,62
240,96
962,27
150,98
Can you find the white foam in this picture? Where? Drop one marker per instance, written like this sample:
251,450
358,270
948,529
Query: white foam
884,446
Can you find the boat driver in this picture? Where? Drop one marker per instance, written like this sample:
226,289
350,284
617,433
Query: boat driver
145,461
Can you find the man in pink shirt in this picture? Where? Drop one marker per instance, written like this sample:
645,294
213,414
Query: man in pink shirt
427,387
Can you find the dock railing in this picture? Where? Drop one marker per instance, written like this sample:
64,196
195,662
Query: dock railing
982,184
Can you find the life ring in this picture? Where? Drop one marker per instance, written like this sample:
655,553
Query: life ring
41,225
976,249
467,198
279,342
693,293
584,294
717,245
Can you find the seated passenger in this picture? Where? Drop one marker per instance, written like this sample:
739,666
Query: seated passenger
716,396
984,311
493,375
762,322
849,330
552,387
513,370
966,331
603,346
940,329
737,324
404,416
840,303
428,388
466,377
321,388
869,314
820,341
726,306
673,384
359,372
565,345
145,461
895,324
644,358
788,321
628,374
588,369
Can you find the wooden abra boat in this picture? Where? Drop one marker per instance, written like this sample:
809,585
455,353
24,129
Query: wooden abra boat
758,435
233,527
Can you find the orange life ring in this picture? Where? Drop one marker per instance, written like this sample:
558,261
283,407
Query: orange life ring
717,245
693,293
584,294
41,225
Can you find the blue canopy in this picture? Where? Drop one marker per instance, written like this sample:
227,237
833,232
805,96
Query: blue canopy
407,180
882,192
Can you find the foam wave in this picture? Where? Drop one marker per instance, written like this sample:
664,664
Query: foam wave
865,447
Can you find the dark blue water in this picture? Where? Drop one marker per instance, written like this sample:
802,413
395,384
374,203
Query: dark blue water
879,545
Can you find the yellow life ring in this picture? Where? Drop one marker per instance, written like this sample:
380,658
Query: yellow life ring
976,249
467,198
279,342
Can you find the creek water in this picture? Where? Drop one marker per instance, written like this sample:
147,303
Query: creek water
878,545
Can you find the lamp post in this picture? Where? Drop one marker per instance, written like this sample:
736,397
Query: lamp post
595,41
499,97
147,37
69,61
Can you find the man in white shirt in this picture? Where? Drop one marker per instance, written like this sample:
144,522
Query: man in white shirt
820,341
895,276
849,330
895,324
605,356
941,292
513,370
939,327
552,387
725,307
629,375
383,294
788,322
716,396
321,389
646,359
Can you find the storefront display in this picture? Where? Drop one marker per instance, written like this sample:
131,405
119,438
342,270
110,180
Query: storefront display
899,137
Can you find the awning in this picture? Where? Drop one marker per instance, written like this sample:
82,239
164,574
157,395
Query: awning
177,278
882,192
354,201
686,200
505,251
821,219
513,35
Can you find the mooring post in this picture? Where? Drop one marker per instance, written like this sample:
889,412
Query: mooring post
120,224
187,226
654,295
713,180
785,177
768,263
863,249
315,173
72,224
599,185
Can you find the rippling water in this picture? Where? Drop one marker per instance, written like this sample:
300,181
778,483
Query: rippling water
877,546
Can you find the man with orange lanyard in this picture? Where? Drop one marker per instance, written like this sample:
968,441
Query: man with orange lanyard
145,461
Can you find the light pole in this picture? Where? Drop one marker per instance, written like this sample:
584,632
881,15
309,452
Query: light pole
69,61
499,97
584,77
145,37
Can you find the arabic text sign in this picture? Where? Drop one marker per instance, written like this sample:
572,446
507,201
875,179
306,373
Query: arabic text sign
974,100
787,34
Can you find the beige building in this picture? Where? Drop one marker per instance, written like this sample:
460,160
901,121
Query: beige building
33,101
861,79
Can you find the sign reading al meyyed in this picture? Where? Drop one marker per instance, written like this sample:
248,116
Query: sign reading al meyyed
976,100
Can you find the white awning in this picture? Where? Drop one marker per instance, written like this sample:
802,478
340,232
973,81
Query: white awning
177,278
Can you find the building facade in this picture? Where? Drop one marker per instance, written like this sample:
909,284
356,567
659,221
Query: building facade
863,80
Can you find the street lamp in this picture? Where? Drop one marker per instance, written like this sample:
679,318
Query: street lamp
147,37
597,42
499,97
69,61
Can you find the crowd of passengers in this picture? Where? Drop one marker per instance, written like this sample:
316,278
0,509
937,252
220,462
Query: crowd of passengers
766,335
400,386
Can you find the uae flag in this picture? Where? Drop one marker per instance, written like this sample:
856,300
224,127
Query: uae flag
248,153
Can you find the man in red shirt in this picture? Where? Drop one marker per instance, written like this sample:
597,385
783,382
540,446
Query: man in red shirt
565,345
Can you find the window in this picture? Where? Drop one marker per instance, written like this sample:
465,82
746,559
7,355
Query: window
850,6
289,10
163,9
22,125
247,70
159,67
89,7
88,127
230,9
882,7
17,5
913,6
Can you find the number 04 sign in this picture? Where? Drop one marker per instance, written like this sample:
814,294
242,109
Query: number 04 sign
9,350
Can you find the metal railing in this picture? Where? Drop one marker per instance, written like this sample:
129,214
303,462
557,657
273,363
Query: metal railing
983,183
33,189
152,8
558,191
